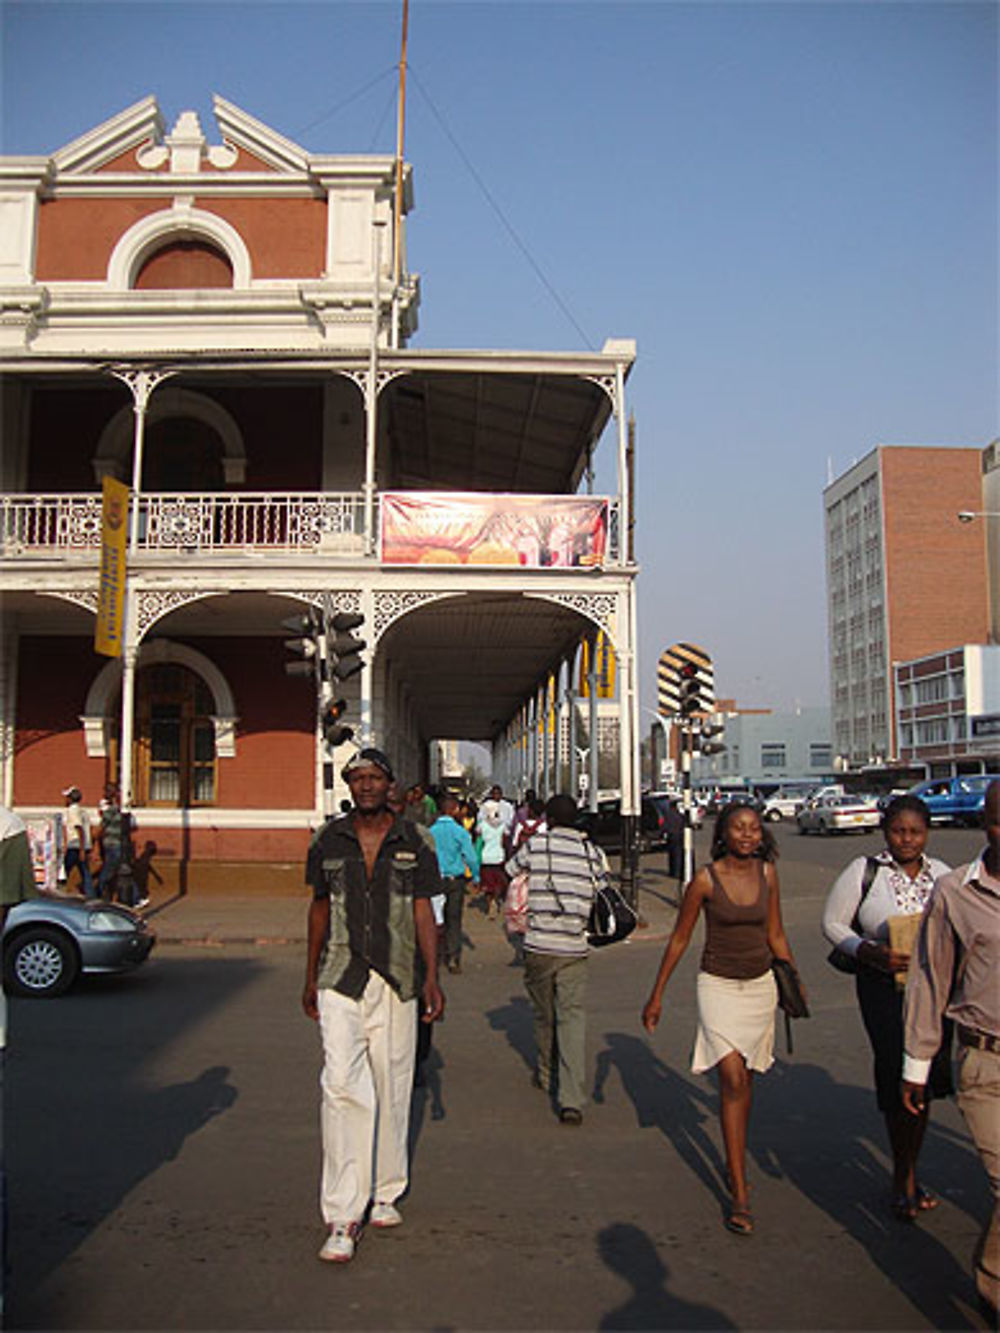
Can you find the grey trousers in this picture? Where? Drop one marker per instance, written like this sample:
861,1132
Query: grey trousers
979,1101
557,988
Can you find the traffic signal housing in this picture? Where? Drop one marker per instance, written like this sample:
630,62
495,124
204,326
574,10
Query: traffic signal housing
334,731
303,650
689,691
705,744
343,650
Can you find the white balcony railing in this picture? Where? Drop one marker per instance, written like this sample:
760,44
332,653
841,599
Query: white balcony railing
217,522
309,523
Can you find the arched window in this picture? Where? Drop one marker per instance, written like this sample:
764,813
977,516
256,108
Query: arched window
174,759
183,454
184,263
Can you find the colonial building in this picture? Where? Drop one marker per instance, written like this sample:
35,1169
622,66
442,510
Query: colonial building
226,327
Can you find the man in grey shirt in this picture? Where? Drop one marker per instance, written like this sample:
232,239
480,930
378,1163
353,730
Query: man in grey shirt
954,975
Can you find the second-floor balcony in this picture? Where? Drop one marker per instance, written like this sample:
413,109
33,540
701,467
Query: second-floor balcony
408,527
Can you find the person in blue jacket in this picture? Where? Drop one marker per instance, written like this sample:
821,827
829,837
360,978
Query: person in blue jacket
455,854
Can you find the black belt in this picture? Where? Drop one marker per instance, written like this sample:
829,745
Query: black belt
982,1041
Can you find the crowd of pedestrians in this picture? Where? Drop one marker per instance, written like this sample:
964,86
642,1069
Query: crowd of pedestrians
374,951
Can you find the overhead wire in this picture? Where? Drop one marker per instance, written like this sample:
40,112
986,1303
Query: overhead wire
494,205
354,97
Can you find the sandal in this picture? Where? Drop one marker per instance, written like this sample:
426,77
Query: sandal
926,1201
904,1208
739,1221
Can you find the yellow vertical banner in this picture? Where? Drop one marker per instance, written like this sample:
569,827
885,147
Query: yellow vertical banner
552,704
108,632
604,668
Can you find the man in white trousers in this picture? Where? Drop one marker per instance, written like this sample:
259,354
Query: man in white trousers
372,875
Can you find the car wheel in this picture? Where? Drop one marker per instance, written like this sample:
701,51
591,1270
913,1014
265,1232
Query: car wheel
774,816
41,963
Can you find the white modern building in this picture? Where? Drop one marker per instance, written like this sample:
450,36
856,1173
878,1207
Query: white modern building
764,747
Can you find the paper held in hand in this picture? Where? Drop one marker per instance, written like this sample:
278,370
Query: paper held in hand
903,938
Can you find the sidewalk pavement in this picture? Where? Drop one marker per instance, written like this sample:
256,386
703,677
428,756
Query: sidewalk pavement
217,917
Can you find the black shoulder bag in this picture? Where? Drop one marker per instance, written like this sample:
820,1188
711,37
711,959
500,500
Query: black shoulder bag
845,962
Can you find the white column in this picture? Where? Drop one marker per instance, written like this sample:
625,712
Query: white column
126,731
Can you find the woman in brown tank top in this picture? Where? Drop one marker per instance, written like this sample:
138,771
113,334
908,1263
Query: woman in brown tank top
736,991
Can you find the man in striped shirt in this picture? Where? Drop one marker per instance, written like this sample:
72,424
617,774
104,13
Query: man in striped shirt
564,870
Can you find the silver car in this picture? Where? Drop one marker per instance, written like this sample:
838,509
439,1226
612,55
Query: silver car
839,814
49,941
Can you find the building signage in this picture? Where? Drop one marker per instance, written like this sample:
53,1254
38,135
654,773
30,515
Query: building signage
986,725
111,587
604,667
458,528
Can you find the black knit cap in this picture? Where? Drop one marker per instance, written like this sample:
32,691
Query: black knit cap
369,757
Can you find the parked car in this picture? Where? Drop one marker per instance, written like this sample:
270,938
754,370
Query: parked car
955,800
784,804
836,813
604,826
49,941
720,798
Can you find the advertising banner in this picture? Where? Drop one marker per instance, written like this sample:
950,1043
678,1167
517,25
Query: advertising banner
47,842
460,528
111,585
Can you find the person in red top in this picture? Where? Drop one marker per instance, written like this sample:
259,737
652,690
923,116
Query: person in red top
736,989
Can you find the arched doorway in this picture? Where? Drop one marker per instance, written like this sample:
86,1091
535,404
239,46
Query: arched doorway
174,753
183,454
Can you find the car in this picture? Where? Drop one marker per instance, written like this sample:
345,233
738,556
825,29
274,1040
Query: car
604,825
955,800
784,804
49,941
837,813
663,799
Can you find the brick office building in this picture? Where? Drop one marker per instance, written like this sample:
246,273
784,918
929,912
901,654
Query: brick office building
905,578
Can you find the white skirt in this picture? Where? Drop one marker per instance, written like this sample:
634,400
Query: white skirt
735,1016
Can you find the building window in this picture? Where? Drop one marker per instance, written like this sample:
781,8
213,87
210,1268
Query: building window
772,755
932,689
820,755
174,760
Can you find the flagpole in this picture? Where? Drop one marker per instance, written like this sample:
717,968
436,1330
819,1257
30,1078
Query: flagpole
397,243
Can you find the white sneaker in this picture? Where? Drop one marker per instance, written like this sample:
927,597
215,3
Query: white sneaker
385,1215
339,1246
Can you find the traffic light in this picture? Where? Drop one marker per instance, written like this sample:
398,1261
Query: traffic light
343,650
704,742
334,731
685,681
304,649
689,692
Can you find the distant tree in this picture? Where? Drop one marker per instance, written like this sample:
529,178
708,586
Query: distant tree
475,779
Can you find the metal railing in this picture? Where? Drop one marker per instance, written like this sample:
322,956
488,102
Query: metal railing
311,523
215,522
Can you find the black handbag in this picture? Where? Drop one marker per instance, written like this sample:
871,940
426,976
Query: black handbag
790,996
611,918
846,962
791,1000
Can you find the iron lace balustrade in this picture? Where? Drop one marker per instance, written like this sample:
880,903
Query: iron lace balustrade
67,525
311,523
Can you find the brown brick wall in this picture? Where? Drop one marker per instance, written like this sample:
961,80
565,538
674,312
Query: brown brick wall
935,566
286,238
274,763
76,236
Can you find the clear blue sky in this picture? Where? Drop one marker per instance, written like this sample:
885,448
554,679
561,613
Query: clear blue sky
792,207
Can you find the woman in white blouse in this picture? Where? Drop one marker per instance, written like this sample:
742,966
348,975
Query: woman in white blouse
898,883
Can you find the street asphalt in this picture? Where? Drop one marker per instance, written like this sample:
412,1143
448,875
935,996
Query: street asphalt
162,1150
